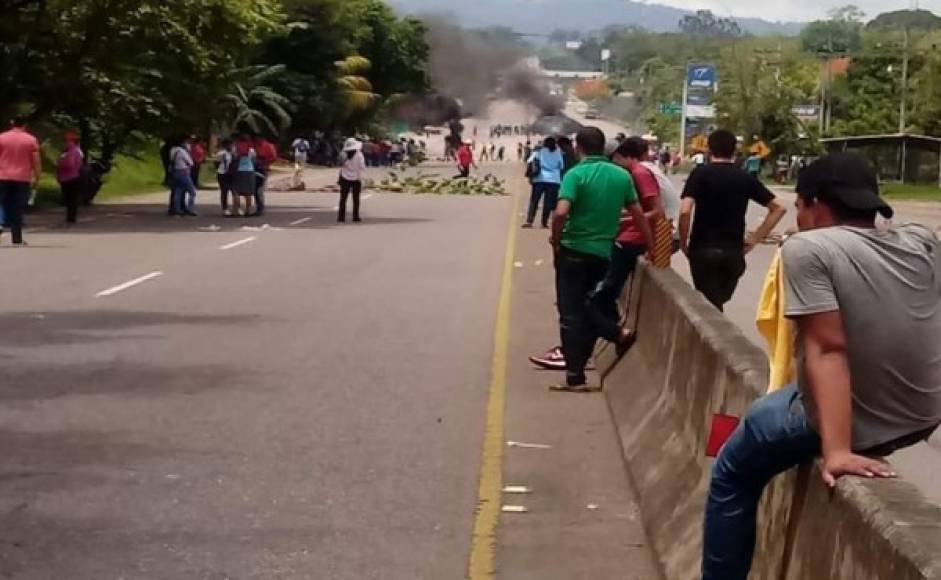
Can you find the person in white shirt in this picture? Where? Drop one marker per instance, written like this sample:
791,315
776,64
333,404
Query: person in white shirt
351,177
300,147
181,164
699,158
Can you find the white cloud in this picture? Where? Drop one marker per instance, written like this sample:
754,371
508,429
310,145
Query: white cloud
799,10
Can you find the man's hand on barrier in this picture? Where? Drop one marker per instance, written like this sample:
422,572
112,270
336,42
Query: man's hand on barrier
846,463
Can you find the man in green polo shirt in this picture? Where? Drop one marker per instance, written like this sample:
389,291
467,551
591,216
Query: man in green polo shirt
584,227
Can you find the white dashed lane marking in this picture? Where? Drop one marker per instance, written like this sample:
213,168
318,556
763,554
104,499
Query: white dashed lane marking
129,284
238,243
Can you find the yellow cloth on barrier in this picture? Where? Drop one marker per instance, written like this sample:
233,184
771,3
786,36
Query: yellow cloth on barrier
777,330
663,242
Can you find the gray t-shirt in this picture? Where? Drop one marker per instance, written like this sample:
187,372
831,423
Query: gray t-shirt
887,287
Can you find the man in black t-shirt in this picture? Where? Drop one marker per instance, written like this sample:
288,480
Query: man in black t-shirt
720,192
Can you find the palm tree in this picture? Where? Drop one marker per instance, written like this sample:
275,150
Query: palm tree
256,105
358,89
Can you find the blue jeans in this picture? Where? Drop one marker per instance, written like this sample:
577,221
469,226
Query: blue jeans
183,184
551,192
774,436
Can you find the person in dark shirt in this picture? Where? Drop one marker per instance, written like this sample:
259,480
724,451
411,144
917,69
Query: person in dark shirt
720,193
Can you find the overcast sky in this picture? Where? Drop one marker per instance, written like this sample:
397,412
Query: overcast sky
795,9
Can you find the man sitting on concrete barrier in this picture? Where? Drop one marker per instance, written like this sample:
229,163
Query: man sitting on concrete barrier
720,192
584,226
866,305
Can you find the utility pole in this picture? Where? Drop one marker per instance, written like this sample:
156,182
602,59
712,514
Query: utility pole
683,113
902,111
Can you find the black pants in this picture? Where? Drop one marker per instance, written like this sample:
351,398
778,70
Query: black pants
194,173
605,298
716,271
225,186
577,277
261,184
463,172
551,193
71,197
346,188
14,195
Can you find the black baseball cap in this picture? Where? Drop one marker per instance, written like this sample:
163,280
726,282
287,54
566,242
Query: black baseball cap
846,178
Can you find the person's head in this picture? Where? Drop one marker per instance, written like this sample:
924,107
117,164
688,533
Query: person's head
70,137
590,141
226,143
565,143
722,144
550,143
631,151
839,189
18,121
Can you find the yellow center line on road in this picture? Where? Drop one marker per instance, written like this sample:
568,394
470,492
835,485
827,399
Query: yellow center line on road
483,542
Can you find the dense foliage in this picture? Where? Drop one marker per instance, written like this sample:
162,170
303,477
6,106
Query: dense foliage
762,78
128,71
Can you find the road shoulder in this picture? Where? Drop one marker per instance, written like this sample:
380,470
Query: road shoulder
582,518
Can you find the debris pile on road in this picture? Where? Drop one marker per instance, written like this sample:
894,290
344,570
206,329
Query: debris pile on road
425,183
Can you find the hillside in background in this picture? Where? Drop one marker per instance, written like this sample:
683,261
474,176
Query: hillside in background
544,16
900,19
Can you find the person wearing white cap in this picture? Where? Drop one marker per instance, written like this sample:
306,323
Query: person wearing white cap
351,177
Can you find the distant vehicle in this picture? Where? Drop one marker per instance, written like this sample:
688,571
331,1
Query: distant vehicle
592,114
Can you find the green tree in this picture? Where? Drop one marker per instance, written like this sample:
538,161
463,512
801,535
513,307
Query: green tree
256,107
125,69
358,89
760,82
704,24
847,13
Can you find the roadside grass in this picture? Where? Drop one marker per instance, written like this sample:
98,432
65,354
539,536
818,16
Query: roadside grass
131,175
897,191
911,192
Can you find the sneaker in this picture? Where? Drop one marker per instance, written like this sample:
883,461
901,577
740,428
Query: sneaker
191,213
227,213
552,360
527,226
356,219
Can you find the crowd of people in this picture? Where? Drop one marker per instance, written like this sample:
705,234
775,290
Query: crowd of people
243,164
857,396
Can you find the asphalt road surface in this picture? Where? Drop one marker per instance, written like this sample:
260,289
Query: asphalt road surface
292,398
297,401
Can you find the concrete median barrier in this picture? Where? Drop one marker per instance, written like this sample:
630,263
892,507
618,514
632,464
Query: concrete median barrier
690,363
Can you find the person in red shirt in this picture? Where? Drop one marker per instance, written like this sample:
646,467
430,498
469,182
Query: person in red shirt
20,167
630,245
69,176
198,153
266,156
465,160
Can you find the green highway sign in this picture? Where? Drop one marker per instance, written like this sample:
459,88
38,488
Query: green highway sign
670,108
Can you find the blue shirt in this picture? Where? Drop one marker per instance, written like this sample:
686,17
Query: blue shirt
551,164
